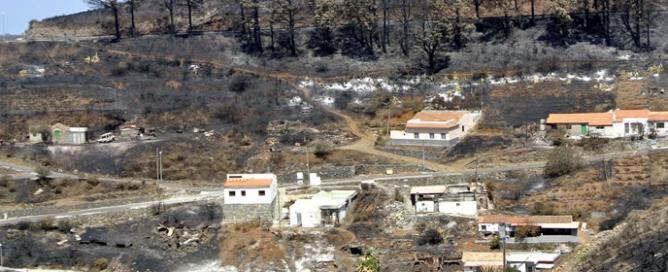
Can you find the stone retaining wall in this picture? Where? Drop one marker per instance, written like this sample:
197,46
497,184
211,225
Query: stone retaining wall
239,213
436,154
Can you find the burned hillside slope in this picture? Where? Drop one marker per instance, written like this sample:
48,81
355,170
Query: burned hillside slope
637,244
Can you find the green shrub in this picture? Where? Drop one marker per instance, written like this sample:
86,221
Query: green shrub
42,172
495,243
100,264
369,262
562,161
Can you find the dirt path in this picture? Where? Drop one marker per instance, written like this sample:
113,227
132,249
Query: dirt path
365,144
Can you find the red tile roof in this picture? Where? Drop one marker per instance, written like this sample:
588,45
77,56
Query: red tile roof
247,183
525,220
593,119
605,118
435,119
658,116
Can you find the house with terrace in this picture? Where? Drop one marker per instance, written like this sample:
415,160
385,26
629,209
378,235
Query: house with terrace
544,228
326,208
435,128
612,124
455,200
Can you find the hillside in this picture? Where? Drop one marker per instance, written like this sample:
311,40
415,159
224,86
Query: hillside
636,244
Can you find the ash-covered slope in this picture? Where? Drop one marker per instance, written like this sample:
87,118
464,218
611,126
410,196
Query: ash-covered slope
640,243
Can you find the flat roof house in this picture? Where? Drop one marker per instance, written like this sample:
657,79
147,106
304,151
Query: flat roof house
36,133
477,261
523,261
326,208
507,225
531,261
250,197
63,134
435,128
611,124
455,200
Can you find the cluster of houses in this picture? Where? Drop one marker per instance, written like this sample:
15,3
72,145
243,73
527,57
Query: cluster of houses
62,134
544,230
255,197
59,134
523,261
445,128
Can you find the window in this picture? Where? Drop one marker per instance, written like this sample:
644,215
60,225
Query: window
431,135
443,136
660,125
600,127
416,135
243,193
483,227
568,126
457,204
462,128
261,193
626,128
232,193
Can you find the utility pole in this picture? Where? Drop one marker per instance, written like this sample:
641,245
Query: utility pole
308,167
1,259
160,154
158,165
503,243
389,109
423,156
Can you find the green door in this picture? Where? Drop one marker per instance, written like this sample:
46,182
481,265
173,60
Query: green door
57,134
584,129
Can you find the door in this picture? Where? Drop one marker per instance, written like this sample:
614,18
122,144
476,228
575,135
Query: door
584,129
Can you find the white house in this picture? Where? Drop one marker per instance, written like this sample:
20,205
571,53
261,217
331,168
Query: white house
523,261
611,124
62,134
435,128
531,261
324,208
35,133
250,188
506,225
455,200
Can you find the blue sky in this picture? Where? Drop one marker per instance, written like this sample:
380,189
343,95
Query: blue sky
18,13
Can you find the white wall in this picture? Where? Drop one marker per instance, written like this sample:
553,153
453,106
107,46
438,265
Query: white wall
493,227
606,131
252,193
35,137
252,196
402,135
468,121
77,137
305,211
458,207
425,206
660,131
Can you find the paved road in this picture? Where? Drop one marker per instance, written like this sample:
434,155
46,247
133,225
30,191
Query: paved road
216,193
201,197
466,172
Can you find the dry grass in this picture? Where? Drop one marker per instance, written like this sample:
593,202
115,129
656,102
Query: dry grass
246,243
634,95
